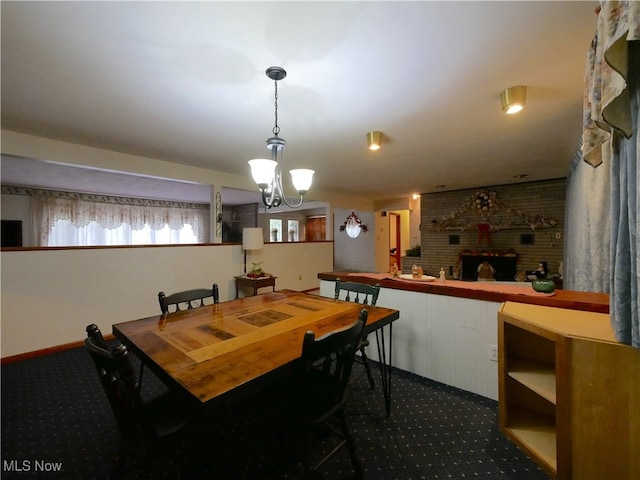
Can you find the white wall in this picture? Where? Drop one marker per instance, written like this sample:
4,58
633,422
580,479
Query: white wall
50,295
442,338
356,254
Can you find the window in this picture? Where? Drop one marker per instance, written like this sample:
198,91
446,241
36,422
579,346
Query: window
68,219
64,233
275,226
293,227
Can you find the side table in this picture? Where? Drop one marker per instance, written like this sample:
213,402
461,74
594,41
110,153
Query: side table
255,283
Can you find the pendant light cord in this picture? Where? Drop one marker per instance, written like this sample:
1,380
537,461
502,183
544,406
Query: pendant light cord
276,128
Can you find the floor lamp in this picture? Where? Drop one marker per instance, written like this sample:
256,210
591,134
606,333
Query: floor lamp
252,239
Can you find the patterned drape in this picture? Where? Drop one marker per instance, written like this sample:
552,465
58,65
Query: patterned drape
587,228
607,111
610,138
625,231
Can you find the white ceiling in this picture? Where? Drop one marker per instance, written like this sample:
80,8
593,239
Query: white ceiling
185,82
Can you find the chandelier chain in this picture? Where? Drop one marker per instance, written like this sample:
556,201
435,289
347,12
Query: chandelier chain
276,128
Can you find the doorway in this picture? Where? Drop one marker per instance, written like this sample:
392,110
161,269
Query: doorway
394,240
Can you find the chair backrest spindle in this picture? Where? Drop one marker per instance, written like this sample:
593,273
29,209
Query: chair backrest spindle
364,294
191,298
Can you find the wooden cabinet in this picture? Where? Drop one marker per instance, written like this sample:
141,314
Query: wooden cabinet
569,394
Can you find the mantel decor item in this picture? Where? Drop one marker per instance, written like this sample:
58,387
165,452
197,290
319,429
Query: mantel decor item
268,173
485,212
353,226
485,203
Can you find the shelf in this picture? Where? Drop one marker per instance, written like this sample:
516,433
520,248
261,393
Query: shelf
536,433
568,392
537,376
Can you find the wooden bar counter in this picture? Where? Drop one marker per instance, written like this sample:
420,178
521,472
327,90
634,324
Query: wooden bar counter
587,301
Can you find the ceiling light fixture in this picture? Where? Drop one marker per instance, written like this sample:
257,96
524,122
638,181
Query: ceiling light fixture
513,99
374,140
268,173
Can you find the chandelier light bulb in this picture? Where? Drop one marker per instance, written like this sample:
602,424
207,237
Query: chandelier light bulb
263,171
302,178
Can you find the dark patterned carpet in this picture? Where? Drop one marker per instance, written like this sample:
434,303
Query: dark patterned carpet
56,423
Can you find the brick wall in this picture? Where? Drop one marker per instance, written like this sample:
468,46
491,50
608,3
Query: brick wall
534,198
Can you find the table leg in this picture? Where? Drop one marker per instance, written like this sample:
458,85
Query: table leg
385,366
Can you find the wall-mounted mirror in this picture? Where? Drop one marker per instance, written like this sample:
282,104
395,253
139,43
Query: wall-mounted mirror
353,226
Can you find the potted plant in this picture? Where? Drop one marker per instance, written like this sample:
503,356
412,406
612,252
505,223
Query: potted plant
413,251
256,270
411,256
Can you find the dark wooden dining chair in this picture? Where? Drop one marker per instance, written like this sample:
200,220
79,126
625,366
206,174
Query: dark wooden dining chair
366,295
314,397
146,428
188,299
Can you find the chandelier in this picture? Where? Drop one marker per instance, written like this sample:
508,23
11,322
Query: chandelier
268,173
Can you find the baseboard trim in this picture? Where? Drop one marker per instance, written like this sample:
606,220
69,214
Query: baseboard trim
45,351
312,290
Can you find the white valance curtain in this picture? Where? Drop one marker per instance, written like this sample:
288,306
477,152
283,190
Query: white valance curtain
111,212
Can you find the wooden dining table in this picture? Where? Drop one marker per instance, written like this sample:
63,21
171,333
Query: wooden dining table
223,351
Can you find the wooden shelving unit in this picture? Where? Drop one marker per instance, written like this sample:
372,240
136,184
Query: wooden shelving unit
562,379
539,377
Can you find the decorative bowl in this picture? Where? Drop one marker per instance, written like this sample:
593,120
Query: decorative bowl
543,285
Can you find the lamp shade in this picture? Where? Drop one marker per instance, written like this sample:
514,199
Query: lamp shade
302,178
262,171
374,140
252,239
513,99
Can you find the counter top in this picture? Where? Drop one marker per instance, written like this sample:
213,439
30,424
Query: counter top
492,291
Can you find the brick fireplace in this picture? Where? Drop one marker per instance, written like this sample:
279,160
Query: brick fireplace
505,265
